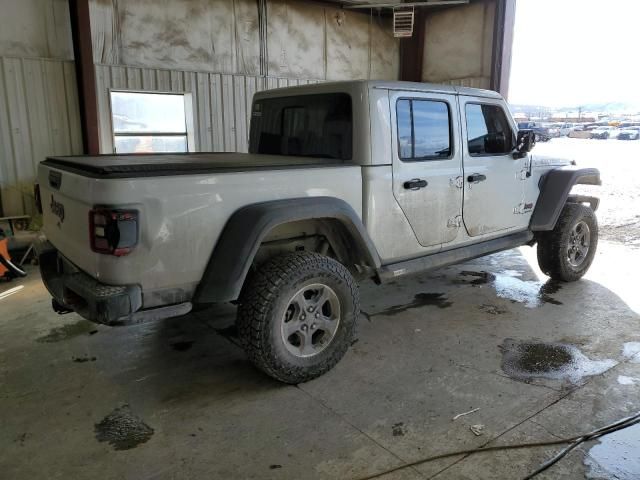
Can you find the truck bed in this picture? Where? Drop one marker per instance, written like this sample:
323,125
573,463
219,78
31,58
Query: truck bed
163,164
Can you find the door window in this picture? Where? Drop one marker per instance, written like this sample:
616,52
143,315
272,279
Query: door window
424,130
488,130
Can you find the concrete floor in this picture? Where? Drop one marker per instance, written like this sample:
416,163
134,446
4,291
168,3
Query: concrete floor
429,347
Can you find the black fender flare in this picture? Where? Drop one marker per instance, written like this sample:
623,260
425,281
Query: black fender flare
246,228
555,187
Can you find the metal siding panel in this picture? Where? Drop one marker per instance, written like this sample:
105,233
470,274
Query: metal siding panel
134,78
38,117
36,102
228,119
73,108
103,76
204,111
11,197
118,77
57,108
176,81
148,79
164,80
215,88
251,84
18,117
240,112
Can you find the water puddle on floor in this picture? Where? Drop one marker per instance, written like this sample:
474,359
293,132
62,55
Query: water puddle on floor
122,429
419,300
615,456
65,332
530,293
556,361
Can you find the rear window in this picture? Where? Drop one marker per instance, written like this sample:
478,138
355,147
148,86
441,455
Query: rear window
306,126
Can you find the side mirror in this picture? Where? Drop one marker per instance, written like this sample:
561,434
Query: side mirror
525,142
495,143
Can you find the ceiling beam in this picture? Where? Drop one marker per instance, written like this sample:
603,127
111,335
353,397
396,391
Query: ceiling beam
424,3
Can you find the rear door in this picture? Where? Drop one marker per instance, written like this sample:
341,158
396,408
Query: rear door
493,180
427,163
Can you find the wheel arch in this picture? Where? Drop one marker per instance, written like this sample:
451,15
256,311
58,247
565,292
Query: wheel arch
555,189
248,227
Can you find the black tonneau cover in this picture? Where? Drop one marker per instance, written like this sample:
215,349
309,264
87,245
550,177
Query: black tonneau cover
166,164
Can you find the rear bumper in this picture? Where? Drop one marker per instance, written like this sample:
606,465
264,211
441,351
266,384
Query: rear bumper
77,291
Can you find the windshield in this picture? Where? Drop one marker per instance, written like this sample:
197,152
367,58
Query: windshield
303,125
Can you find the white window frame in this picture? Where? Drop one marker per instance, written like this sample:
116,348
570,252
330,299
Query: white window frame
188,118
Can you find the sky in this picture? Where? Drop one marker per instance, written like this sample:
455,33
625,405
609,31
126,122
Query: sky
568,53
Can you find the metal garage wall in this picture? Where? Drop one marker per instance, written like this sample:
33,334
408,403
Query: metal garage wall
464,58
38,96
39,117
221,102
303,39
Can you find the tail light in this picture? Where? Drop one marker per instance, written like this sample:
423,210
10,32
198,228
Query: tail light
113,232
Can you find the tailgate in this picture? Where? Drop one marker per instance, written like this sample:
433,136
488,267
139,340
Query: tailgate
66,201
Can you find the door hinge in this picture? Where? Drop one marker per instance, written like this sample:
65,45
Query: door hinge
524,174
454,222
457,182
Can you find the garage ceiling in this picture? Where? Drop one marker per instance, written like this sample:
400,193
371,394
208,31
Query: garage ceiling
388,4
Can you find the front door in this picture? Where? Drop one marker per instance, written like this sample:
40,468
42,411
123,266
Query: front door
427,164
493,180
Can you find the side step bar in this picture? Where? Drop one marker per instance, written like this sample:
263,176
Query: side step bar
455,255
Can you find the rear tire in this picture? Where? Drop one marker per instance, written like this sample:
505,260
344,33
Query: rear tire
566,252
297,316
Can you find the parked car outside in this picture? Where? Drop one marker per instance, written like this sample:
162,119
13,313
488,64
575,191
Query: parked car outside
542,133
563,128
629,133
603,133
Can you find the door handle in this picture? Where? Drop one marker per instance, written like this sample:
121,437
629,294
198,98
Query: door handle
415,184
476,178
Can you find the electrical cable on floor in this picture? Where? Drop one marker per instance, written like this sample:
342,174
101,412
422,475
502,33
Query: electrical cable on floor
573,441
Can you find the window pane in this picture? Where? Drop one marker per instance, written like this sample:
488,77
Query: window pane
488,130
147,112
306,126
150,144
430,129
403,112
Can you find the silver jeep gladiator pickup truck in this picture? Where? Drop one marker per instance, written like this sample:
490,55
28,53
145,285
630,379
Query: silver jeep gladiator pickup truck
342,181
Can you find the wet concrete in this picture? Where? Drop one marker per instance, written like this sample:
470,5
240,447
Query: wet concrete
528,360
82,327
122,429
419,300
531,293
615,456
389,401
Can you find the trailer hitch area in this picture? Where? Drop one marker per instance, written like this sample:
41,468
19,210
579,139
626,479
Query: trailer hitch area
59,308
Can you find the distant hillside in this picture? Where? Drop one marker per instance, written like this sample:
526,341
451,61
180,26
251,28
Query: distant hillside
611,107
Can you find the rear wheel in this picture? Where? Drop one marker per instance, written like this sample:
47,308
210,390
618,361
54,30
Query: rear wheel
297,316
566,252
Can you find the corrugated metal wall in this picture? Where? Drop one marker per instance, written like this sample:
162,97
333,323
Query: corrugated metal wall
39,117
221,102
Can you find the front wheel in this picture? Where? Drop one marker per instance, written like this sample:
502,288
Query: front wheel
297,316
566,252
